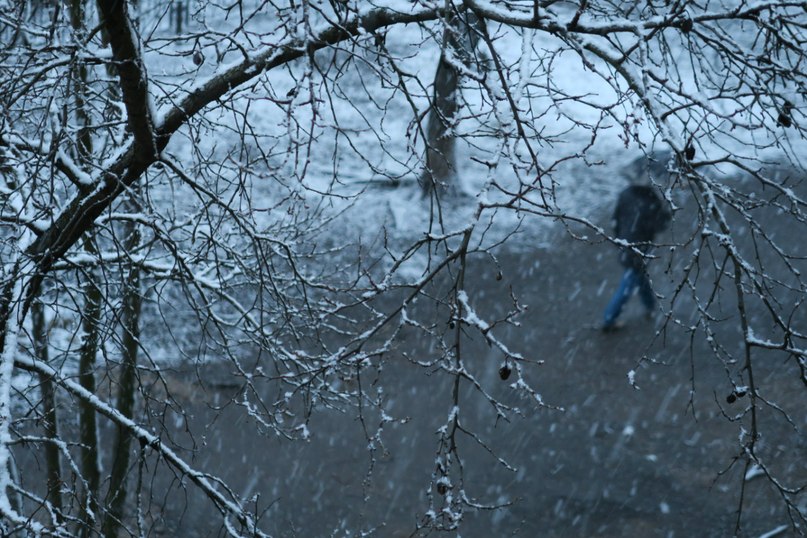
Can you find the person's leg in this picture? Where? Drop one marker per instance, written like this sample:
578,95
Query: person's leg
646,292
623,293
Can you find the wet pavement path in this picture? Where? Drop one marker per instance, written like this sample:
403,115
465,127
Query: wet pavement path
618,460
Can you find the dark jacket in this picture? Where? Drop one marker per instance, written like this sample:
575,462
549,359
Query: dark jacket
639,215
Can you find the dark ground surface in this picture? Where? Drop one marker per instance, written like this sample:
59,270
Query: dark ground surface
616,461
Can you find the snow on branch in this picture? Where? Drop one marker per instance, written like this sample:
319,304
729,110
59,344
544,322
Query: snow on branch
470,317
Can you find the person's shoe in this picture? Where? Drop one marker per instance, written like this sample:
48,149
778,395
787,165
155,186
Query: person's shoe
612,327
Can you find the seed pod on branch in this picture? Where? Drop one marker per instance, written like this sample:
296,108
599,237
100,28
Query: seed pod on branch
505,371
686,25
785,119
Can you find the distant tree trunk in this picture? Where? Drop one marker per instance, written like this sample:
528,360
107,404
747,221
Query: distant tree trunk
84,135
88,427
130,320
459,40
179,16
50,419
440,144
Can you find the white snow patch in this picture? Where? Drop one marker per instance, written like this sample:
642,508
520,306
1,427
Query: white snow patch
628,431
753,472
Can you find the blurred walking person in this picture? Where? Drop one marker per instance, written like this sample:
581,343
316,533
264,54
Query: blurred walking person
640,214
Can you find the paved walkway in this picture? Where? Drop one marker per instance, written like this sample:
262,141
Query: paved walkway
618,461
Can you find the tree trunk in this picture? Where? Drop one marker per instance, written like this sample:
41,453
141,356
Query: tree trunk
440,143
459,40
88,427
179,14
127,384
130,318
49,416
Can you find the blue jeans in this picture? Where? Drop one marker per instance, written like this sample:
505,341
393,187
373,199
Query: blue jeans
631,279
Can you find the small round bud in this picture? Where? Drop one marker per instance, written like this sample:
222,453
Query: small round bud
198,57
731,398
